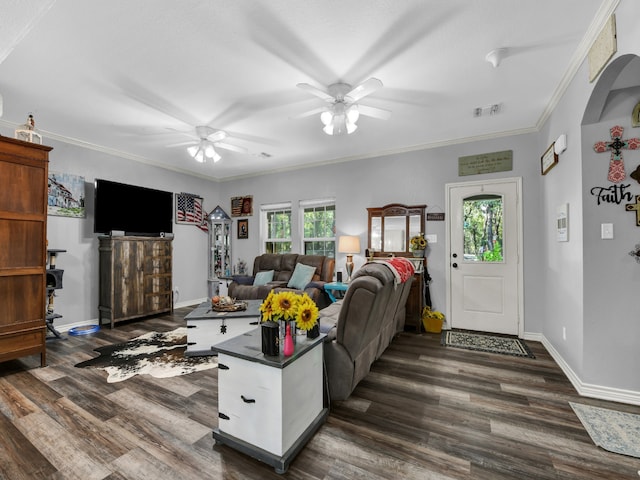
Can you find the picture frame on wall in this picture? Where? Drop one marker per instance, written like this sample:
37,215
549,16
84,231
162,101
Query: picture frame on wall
549,159
189,209
242,206
243,228
66,195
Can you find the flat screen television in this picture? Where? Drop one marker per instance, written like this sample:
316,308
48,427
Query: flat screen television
132,209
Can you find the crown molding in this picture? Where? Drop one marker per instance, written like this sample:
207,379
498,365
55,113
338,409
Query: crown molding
607,9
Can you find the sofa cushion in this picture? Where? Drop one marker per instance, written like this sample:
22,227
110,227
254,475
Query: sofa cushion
267,262
262,278
302,275
316,261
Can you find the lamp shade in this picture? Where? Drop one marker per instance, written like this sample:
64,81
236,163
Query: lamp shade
349,244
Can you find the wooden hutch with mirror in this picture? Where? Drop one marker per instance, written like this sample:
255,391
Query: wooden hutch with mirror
390,230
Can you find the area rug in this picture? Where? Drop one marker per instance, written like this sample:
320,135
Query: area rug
160,355
486,343
617,432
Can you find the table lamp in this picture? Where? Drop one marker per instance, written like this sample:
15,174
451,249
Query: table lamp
349,245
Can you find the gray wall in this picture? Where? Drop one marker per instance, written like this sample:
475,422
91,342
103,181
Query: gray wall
611,318
78,300
590,285
411,178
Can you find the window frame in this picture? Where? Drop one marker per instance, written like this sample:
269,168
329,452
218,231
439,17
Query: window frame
313,204
265,210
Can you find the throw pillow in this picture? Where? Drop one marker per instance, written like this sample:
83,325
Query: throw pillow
302,275
262,278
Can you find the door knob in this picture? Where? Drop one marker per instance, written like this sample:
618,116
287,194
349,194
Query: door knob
454,265
455,255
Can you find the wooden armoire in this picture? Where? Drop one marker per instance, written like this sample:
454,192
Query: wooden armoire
23,248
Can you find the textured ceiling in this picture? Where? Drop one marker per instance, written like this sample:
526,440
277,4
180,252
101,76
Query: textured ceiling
135,77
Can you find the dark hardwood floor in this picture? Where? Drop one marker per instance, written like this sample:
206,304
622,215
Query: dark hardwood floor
424,412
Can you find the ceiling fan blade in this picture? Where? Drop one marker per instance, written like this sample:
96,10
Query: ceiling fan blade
365,88
217,136
374,112
316,91
310,112
233,148
182,144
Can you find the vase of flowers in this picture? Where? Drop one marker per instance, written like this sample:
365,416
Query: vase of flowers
290,308
432,320
417,245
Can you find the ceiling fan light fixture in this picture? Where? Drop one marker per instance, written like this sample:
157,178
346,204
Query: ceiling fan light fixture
326,117
199,156
340,119
353,114
209,151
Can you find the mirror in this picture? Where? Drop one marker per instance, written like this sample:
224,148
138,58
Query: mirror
391,227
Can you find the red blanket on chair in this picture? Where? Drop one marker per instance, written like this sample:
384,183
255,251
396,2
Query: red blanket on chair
401,267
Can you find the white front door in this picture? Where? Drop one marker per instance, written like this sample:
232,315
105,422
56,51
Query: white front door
485,241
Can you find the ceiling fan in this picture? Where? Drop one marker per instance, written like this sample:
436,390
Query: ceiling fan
342,112
209,140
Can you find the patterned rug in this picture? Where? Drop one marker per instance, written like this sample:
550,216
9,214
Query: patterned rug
485,342
617,432
160,355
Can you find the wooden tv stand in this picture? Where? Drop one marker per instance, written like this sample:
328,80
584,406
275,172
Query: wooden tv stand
135,277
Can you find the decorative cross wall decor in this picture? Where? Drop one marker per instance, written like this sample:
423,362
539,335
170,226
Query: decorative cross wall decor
629,207
616,164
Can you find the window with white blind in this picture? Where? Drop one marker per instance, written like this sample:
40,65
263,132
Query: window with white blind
276,228
318,227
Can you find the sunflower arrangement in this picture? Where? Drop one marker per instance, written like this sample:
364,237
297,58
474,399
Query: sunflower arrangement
290,306
428,313
418,242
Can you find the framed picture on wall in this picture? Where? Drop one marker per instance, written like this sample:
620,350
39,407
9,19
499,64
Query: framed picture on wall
189,209
66,195
242,206
549,159
243,228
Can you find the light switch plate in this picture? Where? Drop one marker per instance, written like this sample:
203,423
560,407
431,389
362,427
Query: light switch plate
606,231
432,238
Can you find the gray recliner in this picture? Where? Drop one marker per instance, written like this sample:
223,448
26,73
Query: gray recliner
361,326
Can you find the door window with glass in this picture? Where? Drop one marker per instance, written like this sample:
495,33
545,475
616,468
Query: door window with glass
318,228
276,231
482,225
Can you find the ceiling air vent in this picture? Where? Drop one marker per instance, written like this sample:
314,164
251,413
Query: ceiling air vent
493,109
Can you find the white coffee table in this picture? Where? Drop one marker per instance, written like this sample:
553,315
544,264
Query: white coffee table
206,327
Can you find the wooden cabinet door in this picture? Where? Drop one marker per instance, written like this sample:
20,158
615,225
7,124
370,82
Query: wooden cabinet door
128,278
23,231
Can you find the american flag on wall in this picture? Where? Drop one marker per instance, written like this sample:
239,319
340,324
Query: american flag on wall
189,210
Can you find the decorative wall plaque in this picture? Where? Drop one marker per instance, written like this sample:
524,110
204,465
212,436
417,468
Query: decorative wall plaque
485,163
603,48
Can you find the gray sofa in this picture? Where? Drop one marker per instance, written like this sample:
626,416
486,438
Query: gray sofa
283,265
362,325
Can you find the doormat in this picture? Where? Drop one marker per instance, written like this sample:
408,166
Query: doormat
617,432
160,355
486,342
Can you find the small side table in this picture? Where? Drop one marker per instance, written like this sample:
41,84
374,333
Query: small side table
335,287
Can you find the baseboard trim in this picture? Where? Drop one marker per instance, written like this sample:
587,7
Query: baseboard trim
94,321
586,389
